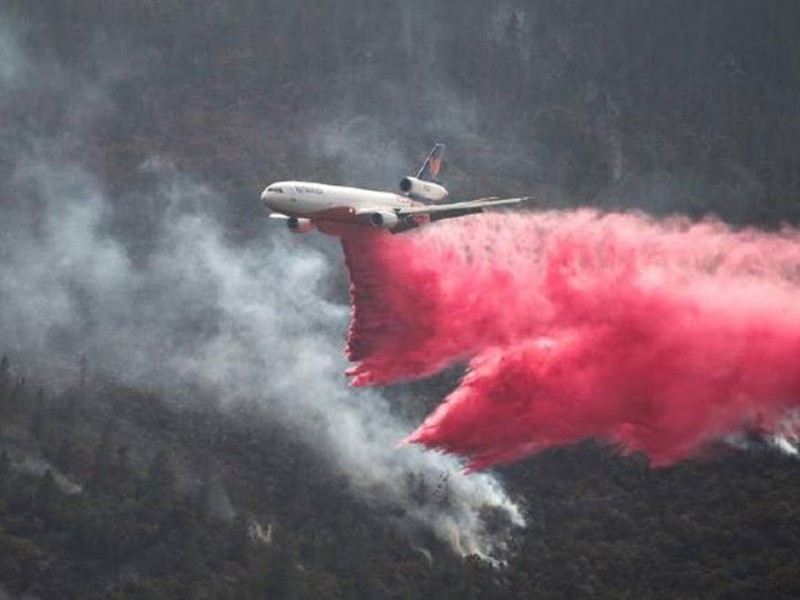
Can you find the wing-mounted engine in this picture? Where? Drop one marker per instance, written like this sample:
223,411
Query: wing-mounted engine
385,220
423,190
299,225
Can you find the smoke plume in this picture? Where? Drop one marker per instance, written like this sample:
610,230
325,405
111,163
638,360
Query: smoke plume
153,291
658,337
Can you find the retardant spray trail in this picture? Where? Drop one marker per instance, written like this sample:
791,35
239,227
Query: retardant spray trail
657,336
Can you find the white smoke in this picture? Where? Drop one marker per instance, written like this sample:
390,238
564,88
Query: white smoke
248,321
786,437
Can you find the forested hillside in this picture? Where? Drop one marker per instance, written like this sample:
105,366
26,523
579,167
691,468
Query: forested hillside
173,420
109,492
681,107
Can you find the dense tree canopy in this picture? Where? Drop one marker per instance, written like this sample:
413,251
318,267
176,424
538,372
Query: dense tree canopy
671,107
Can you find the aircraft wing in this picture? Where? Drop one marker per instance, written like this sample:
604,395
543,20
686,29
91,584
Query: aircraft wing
457,209
448,211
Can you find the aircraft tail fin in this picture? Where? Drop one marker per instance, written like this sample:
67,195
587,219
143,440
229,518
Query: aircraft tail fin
433,165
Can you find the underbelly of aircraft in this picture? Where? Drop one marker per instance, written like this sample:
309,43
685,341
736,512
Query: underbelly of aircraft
336,213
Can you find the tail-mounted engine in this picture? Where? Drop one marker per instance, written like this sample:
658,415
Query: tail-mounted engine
423,190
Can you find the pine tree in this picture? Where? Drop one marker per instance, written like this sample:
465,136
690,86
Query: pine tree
63,460
5,374
157,492
47,494
103,462
123,475
5,472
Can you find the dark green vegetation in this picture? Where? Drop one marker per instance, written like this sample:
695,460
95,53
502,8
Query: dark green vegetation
106,492
673,107
685,106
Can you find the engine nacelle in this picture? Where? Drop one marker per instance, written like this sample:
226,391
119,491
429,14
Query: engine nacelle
386,220
299,225
423,190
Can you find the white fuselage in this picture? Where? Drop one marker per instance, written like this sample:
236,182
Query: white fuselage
332,202
332,209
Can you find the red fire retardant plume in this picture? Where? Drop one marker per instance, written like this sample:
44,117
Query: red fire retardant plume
659,337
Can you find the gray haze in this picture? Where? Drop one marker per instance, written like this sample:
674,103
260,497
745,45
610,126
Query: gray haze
151,289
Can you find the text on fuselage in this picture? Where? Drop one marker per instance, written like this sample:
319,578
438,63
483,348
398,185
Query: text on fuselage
305,189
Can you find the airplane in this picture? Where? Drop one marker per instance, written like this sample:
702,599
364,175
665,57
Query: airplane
307,206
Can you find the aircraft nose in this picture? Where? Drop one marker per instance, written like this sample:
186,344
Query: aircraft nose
264,196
